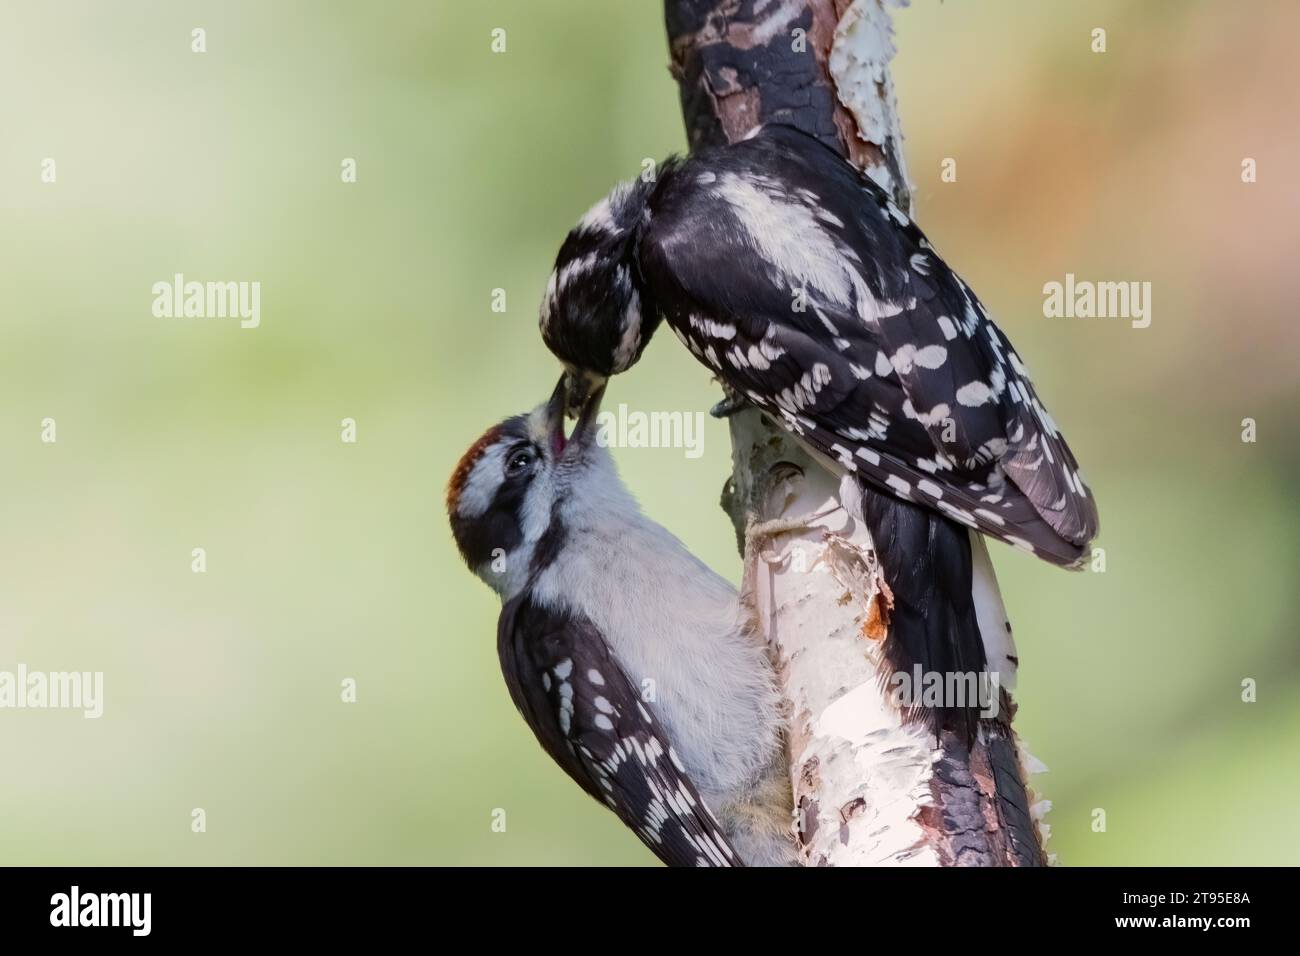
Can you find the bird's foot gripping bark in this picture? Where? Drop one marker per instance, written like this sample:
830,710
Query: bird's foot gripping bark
729,405
761,531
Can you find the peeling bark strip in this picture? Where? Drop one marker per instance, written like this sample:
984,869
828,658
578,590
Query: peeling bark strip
859,66
868,788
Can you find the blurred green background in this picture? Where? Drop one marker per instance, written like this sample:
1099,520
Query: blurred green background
329,560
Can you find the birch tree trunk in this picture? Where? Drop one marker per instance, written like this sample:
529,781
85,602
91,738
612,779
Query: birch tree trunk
868,788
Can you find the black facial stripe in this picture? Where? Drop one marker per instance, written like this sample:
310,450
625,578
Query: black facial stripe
479,537
548,548
515,428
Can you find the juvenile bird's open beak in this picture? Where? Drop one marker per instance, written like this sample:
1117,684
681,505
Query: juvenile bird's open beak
555,409
584,431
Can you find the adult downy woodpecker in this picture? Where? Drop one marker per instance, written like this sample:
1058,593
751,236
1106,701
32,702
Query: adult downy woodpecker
627,656
794,278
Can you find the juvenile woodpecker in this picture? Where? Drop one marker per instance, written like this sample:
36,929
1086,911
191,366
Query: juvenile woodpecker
798,282
628,657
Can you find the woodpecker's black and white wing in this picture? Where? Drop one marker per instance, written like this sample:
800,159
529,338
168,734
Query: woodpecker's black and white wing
810,294
587,714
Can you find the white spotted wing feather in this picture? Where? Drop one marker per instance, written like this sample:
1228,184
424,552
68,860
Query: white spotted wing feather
810,294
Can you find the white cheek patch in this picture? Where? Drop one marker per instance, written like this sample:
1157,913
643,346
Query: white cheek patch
484,481
535,509
535,514
599,218
576,267
626,350
548,303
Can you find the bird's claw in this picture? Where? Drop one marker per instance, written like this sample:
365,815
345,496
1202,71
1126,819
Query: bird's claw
729,405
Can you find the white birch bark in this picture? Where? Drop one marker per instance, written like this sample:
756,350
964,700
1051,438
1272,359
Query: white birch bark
859,776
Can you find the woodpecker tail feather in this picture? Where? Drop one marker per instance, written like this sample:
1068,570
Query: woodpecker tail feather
1021,832
979,811
934,652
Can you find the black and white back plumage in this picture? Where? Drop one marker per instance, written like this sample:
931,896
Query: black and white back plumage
588,716
797,280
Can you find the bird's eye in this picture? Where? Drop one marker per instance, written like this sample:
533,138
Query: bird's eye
519,462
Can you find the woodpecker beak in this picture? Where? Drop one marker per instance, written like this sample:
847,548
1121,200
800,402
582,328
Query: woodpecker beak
580,387
584,431
555,416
